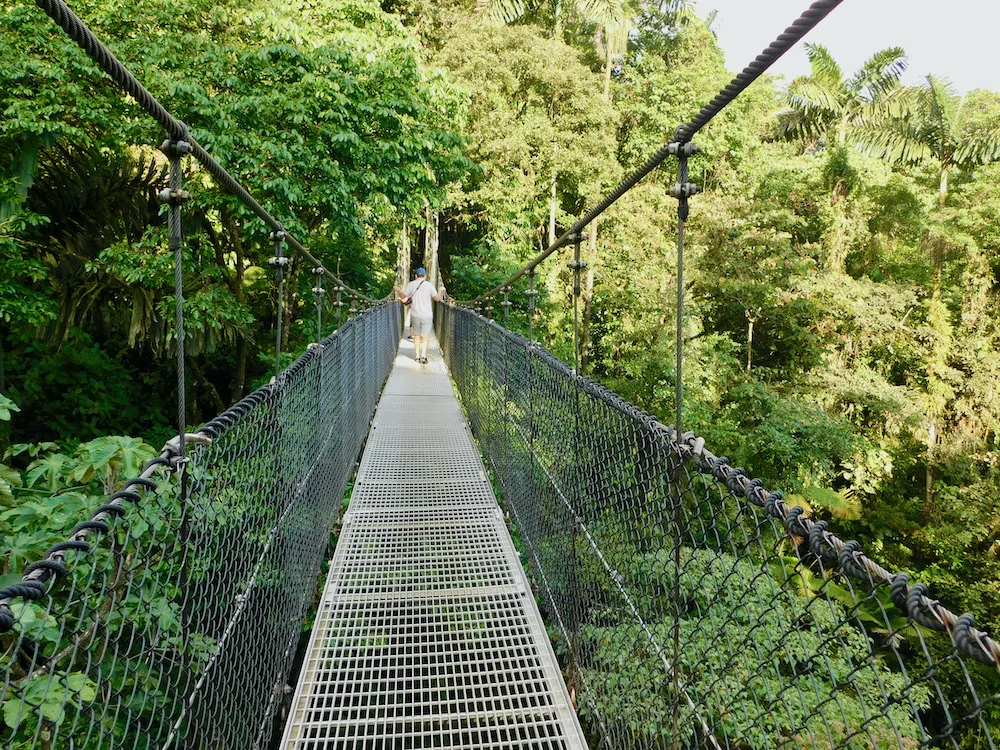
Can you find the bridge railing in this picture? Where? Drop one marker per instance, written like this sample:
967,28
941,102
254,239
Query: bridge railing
171,617
690,607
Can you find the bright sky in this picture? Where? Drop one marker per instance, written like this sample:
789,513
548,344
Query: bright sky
959,39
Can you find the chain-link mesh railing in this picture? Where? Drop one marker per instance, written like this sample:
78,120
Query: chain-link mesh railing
171,619
692,608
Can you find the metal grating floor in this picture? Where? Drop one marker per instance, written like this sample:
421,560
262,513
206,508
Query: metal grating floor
427,635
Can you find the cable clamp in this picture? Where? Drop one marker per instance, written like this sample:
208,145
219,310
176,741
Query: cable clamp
683,149
175,149
577,264
170,197
686,190
318,291
576,237
278,236
279,261
531,292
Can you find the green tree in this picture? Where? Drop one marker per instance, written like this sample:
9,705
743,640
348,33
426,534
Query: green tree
827,106
936,127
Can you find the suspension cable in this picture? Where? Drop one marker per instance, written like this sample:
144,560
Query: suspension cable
785,41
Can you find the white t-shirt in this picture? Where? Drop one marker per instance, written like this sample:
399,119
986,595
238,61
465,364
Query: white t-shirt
422,292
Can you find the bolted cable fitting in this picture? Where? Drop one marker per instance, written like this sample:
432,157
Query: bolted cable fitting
175,149
685,190
318,291
279,261
683,149
577,265
173,197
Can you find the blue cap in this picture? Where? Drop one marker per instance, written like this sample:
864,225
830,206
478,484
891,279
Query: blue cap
421,271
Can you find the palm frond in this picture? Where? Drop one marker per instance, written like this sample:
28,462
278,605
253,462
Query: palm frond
979,147
795,125
604,12
812,97
502,11
942,101
825,70
897,140
879,73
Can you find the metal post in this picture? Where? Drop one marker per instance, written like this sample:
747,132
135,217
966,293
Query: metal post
577,265
174,196
319,291
531,293
681,191
506,307
279,262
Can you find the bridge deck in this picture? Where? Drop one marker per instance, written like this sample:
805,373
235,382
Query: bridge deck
427,634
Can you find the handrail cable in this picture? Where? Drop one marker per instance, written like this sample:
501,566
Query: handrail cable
785,41
88,41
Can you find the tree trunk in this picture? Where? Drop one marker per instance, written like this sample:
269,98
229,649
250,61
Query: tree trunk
431,241
929,514
238,383
403,256
5,427
208,387
607,66
943,187
588,289
552,196
588,297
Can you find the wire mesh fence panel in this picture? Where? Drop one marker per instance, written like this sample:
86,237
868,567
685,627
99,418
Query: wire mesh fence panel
691,607
179,604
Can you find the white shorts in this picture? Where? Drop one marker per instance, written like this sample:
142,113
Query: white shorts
420,326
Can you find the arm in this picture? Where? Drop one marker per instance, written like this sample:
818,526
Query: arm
440,295
399,293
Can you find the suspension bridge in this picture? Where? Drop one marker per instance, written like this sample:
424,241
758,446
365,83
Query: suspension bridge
632,589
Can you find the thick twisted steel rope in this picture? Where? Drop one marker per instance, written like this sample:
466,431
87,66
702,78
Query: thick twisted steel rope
785,41
847,556
88,41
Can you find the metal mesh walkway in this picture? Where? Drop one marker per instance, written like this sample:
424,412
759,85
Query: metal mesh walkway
427,634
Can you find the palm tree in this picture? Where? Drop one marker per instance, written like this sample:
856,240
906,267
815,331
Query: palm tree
828,107
937,129
602,12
